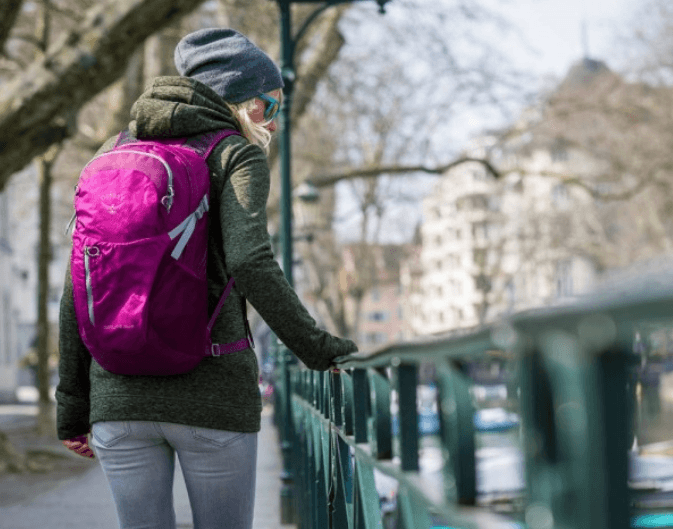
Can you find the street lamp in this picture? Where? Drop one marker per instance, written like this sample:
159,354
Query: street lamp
288,71
307,192
285,357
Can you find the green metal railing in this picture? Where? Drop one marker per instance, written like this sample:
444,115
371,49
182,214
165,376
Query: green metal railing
570,386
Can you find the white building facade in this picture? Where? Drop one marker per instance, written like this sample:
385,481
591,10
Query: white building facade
493,247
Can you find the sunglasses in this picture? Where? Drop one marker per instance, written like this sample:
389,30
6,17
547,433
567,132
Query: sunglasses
271,106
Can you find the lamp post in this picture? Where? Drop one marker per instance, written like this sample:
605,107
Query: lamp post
284,356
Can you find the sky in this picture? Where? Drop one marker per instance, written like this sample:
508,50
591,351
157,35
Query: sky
554,28
549,37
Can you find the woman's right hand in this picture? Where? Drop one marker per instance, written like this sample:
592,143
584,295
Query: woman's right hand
79,445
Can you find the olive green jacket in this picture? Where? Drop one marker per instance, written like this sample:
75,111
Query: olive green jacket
221,392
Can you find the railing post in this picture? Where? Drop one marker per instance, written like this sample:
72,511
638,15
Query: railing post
540,445
360,405
347,402
287,499
379,421
407,415
456,414
575,403
320,471
336,399
366,513
616,412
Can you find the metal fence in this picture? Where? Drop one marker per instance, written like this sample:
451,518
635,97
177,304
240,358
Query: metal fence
559,402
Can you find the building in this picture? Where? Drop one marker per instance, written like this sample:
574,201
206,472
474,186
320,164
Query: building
491,247
411,275
375,294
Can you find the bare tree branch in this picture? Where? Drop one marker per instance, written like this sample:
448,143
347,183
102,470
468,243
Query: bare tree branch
9,11
66,11
315,69
75,69
30,39
324,55
16,64
326,180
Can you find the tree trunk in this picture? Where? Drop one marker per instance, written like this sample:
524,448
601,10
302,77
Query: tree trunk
158,52
128,91
44,164
74,70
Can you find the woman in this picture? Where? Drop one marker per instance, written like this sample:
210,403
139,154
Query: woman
210,416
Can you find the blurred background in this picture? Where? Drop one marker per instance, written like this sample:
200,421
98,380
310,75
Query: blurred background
454,162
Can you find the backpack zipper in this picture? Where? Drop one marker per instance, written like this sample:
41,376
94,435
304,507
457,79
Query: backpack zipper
167,200
72,219
74,213
89,251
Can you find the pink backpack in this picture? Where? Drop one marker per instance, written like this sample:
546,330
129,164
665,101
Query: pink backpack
139,256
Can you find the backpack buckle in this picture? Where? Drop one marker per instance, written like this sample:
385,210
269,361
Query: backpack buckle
167,200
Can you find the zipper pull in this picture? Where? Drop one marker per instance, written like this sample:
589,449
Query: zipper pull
89,251
72,219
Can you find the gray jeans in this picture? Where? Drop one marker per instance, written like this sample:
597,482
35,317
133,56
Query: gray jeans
138,459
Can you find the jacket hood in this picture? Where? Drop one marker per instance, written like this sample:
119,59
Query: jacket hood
175,107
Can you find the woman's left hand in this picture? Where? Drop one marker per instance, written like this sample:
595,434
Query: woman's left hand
79,445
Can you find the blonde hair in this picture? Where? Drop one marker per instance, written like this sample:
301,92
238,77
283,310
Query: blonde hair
256,133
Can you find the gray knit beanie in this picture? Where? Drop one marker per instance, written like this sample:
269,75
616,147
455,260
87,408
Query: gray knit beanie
228,62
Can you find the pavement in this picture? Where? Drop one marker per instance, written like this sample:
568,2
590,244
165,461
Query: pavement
75,495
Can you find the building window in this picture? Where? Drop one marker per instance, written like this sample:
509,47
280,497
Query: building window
379,316
510,292
564,278
479,230
376,338
559,151
479,255
482,283
480,201
560,196
492,231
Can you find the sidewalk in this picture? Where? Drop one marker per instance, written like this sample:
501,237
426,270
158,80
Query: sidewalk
79,498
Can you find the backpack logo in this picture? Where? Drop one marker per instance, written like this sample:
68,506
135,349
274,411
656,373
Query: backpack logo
111,202
139,253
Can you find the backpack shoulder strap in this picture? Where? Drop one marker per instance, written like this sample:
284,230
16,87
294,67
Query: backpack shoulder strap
124,138
203,144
